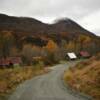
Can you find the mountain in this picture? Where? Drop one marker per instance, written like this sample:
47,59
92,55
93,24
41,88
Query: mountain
33,26
30,30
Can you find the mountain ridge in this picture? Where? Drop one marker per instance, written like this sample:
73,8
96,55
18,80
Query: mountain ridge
61,25
64,31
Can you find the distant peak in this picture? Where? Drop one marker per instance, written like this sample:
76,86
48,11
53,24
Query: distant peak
62,20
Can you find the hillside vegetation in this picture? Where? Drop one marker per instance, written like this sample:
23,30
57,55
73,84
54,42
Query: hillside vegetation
39,44
27,37
85,77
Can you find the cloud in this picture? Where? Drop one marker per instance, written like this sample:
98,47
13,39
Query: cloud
49,7
92,22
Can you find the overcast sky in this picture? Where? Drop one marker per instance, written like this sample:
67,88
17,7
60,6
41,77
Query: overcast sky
84,12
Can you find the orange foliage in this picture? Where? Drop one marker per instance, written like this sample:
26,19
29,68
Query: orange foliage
51,45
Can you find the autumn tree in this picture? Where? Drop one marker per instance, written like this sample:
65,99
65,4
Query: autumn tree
71,46
51,51
84,41
14,51
6,43
28,52
51,45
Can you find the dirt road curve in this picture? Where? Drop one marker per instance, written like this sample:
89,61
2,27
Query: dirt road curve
46,87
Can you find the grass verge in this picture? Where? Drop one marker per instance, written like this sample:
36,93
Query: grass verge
10,78
85,77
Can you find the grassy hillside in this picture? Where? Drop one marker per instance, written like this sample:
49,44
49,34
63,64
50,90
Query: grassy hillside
10,78
85,77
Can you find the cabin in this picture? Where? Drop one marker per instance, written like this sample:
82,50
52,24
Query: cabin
84,54
16,60
71,56
4,62
10,62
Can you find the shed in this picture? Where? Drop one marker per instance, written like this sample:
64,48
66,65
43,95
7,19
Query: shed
71,56
84,54
10,61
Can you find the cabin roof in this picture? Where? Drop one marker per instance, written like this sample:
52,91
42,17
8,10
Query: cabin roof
14,60
84,54
72,55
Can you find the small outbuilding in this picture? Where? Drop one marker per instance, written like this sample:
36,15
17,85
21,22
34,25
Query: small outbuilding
84,54
15,60
10,61
71,56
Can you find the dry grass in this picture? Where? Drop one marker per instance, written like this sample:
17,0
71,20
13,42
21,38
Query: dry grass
85,77
11,77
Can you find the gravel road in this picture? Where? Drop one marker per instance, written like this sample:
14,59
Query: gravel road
46,87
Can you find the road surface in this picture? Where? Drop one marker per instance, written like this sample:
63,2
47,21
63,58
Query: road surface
46,87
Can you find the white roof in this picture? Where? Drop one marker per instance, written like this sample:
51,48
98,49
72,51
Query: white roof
72,55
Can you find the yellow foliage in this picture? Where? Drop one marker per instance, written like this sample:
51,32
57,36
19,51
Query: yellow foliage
84,39
70,46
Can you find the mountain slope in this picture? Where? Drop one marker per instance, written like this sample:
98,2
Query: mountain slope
31,25
30,30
